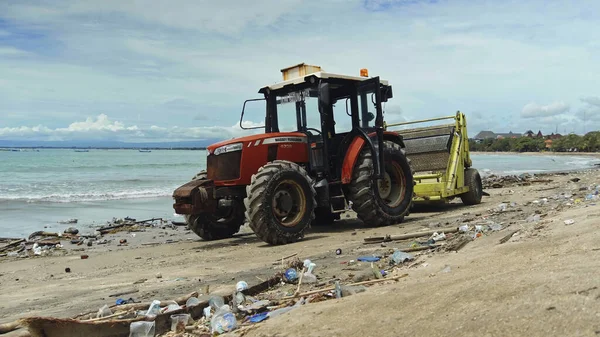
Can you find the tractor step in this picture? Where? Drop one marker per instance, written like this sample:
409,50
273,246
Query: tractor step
337,200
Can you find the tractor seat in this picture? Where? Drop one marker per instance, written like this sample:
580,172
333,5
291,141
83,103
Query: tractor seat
428,148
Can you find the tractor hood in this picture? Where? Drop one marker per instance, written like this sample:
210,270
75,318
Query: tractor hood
237,144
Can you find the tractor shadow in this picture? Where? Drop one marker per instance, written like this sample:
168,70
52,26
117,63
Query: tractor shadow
437,208
244,239
348,225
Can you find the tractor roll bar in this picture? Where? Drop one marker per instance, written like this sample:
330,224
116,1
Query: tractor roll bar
419,121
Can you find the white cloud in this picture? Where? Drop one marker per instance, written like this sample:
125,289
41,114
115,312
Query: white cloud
533,110
102,127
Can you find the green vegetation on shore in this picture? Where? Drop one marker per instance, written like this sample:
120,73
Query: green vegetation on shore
588,143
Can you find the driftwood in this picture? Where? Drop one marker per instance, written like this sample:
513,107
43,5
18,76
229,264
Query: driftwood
136,306
318,291
108,229
8,327
18,333
11,245
379,239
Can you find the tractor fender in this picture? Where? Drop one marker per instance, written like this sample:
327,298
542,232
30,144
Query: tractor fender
354,150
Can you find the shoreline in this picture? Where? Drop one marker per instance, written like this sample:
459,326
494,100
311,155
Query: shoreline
574,154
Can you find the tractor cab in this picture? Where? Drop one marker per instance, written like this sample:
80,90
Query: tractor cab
330,109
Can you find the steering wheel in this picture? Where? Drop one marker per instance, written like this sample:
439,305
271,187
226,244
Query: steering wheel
317,131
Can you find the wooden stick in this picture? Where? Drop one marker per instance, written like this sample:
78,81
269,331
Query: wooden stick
351,284
378,239
106,317
416,249
299,282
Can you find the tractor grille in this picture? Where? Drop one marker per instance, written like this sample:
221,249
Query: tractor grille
225,166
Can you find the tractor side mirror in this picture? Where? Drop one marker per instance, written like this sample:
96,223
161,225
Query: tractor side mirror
324,99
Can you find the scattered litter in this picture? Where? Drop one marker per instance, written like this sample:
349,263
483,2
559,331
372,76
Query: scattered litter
223,320
438,237
369,258
179,322
258,317
447,269
569,222
291,275
400,257
142,329
192,302
338,251
241,286
104,311
154,309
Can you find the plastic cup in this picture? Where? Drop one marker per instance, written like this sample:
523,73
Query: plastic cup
192,301
142,329
179,322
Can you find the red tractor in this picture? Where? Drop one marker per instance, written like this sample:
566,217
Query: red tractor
283,180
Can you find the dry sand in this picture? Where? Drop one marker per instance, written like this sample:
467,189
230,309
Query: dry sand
543,282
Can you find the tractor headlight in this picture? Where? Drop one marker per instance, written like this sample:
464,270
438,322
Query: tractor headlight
228,148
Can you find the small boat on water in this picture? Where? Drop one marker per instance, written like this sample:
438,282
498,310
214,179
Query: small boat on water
142,150
82,150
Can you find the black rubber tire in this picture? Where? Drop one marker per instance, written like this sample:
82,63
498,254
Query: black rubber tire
363,190
473,180
324,217
259,199
209,227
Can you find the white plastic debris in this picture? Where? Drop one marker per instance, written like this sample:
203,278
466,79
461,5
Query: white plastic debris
569,222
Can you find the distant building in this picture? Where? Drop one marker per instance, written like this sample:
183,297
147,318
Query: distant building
492,135
485,135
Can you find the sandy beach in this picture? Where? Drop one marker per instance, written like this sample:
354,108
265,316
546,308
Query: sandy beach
542,281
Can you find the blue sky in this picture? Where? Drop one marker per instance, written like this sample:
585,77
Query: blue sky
180,70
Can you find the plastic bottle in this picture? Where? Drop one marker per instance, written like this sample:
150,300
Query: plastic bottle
223,320
216,302
309,278
154,308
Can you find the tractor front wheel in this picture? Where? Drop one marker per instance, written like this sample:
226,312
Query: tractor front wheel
473,181
216,227
382,202
280,202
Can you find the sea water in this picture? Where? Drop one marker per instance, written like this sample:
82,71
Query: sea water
40,189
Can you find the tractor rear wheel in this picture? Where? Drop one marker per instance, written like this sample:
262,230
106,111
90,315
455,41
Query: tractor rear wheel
386,201
280,202
213,227
473,180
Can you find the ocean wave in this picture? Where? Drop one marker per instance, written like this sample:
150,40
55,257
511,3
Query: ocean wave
87,197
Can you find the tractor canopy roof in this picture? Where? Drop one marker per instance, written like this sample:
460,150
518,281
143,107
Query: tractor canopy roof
311,80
